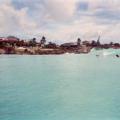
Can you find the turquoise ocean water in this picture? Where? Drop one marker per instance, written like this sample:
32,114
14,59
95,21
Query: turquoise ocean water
62,87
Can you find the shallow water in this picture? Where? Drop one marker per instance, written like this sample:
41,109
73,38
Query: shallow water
63,87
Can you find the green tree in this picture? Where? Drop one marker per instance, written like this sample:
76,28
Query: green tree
78,41
43,40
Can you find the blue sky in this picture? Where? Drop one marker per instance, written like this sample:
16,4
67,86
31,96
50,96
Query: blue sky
61,20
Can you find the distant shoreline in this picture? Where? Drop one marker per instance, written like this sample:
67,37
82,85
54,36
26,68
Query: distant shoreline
13,45
34,51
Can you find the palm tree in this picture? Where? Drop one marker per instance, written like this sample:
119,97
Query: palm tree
32,42
78,41
43,41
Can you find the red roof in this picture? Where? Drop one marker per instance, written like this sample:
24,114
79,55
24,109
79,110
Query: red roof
9,40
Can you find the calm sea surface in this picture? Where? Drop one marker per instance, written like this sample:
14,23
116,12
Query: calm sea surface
63,87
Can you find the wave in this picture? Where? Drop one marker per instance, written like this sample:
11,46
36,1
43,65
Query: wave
106,52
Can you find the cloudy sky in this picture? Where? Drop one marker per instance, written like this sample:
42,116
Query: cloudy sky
61,20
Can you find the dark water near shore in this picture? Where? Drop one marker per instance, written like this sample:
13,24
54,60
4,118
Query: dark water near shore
63,87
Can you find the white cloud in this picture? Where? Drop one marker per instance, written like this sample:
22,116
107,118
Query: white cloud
60,10
14,21
62,20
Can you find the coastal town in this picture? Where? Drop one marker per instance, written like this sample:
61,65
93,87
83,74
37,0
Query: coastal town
14,45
